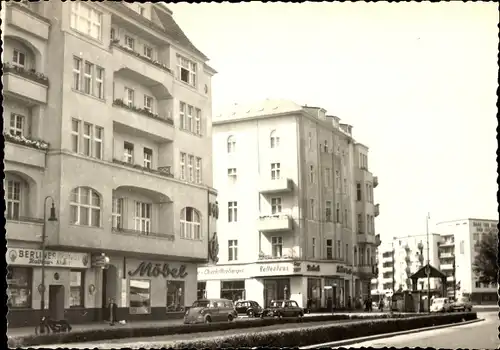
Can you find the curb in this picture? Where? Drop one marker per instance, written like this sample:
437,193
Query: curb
386,335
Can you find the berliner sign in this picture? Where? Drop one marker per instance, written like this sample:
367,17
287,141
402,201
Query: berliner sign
33,257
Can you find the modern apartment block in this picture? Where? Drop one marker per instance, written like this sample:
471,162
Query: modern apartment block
459,244
107,110
400,258
297,207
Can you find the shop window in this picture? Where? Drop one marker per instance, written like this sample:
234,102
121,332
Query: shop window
202,290
19,280
76,289
232,290
175,296
140,296
313,293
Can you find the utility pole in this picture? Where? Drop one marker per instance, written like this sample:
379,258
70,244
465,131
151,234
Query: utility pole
454,279
428,262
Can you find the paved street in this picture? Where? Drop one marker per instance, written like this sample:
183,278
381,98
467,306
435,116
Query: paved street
480,335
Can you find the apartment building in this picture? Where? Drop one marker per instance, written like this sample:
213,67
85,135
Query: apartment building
107,118
460,245
400,258
297,207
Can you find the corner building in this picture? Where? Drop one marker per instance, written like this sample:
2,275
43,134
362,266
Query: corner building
107,109
296,207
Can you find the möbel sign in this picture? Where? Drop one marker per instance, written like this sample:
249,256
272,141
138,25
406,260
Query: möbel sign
154,270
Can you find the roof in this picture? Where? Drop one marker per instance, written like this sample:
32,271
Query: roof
262,108
435,273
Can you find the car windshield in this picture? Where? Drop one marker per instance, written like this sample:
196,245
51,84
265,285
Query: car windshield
439,301
277,304
201,303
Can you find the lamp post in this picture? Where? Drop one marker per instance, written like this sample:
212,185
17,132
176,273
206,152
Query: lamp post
454,278
428,269
52,217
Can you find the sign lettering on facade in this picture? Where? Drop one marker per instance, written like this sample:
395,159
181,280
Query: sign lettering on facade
343,269
315,268
33,257
154,270
221,272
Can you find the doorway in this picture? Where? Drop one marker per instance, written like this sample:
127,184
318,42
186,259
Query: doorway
56,302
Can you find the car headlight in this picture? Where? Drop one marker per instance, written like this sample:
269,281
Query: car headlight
202,312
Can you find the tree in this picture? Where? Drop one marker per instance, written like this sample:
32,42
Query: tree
485,263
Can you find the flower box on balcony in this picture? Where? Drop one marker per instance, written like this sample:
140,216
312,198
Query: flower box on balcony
163,171
21,140
119,103
116,42
30,74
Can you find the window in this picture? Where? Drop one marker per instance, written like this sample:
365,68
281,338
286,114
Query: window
140,296
368,229
148,52
190,167
148,158
128,152
190,223
19,282
13,199
232,175
275,205
232,211
358,191
85,206
232,253
337,179
142,217
339,250
275,171
183,166
129,42
329,249
197,122
86,20
189,118
311,174
182,115
16,124
148,103
360,223
328,211
175,296
309,140
76,289
117,212
75,135
129,97
328,177
275,140
277,246
186,70
311,208
87,78
337,213
99,82
87,139
197,170
77,68
478,284
346,217
231,144
99,132
112,34
347,253
313,247
18,58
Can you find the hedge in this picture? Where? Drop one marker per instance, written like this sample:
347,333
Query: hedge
316,334
138,332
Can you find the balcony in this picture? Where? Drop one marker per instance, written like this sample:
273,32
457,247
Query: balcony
24,229
450,278
376,210
158,127
25,19
366,271
162,171
378,241
446,255
25,83
139,65
375,181
447,243
273,223
24,150
446,267
168,237
276,185
364,238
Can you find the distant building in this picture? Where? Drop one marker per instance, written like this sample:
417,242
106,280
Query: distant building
297,207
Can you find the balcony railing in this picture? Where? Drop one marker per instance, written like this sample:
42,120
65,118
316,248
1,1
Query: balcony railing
163,171
23,219
116,43
167,236
119,103
30,74
278,222
22,140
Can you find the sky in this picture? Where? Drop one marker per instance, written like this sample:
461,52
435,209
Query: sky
417,81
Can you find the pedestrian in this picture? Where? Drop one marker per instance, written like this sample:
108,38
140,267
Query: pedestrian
112,308
381,305
370,304
349,303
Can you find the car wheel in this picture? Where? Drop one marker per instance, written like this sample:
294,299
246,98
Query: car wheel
280,316
250,314
230,318
208,319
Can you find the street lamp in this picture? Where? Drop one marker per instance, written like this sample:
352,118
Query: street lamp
52,217
428,268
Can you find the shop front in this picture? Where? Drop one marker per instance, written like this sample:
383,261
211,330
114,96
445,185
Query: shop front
276,289
233,290
146,289
69,286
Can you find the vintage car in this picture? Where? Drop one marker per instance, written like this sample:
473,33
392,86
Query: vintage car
248,307
441,305
210,310
283,308
462,304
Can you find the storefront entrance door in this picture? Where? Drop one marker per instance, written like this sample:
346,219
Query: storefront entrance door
56,302
275,290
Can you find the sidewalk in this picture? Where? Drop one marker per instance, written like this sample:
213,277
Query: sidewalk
25,331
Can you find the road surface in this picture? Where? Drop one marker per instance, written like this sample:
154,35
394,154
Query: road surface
479,335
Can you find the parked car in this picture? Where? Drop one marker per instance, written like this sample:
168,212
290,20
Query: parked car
283,308
441,305
463,304
248,307
210,310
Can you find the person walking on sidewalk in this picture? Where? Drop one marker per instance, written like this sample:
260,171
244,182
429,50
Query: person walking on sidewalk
112,308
